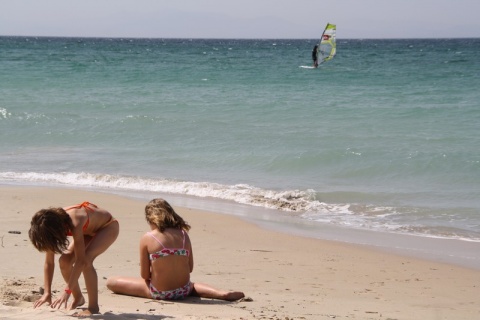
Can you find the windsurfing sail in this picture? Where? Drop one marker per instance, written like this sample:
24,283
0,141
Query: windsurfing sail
327,47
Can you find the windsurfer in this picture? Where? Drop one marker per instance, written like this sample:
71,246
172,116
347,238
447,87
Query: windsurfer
315,56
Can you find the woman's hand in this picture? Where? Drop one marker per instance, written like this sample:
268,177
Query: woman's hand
47,297
60,301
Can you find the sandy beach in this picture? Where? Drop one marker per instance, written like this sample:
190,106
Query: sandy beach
283,276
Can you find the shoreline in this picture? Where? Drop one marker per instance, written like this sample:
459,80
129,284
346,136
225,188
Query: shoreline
286,276
458,252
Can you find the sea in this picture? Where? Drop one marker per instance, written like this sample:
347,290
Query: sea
379,146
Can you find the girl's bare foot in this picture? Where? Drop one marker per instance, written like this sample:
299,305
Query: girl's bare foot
85,313
77,303
234,295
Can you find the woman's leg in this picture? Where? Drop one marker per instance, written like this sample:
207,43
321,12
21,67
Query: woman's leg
136,287
207,291
98,245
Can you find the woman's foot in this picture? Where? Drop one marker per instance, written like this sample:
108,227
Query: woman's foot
77,303
234,296
86,313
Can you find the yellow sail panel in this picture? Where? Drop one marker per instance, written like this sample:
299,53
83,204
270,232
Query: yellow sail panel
328,43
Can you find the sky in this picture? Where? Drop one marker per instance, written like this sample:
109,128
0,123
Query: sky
254,19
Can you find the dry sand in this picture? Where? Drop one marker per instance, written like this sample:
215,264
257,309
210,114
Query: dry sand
284,276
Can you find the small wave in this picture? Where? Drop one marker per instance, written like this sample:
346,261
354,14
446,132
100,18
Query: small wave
441,232
389,219
291,200
4,113
457,61
302,204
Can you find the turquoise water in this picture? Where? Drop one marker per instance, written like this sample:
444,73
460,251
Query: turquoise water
384,138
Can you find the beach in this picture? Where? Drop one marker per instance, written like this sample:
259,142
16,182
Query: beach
283,276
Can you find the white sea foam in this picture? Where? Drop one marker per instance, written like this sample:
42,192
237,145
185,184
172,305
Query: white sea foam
4,113
292,201
301,204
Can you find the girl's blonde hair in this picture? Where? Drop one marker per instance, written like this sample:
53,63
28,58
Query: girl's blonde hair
49,228
160,213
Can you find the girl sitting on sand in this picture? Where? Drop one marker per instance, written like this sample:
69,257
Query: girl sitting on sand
166,261
93,230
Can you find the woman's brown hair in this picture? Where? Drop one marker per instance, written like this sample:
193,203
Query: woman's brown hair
49,228
160,213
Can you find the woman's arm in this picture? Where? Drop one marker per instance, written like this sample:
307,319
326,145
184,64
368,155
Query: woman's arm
79,250
190,248
145,264
48,269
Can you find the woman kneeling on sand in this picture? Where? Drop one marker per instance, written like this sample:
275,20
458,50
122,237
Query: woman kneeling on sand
93,231
166,261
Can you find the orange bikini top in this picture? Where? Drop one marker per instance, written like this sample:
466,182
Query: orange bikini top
87,206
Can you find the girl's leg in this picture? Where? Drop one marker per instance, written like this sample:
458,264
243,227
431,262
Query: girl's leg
207,291
98,244
66,262
136,287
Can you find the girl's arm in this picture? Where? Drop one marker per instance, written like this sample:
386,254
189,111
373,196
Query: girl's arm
79,250
190,258
145,264
48,269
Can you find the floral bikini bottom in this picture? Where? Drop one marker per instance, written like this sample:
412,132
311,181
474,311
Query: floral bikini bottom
174,294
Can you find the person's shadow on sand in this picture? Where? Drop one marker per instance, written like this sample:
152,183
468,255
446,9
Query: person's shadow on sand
139,316
198,300
189,300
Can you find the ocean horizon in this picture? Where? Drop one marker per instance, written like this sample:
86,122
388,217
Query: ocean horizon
381,142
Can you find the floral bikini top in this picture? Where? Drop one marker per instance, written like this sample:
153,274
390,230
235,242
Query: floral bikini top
168,251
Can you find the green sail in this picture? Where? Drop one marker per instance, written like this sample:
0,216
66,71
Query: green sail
328,43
